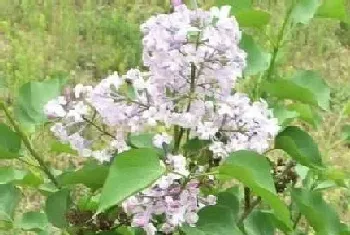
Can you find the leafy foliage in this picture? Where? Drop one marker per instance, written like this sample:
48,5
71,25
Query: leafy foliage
300,146
254,170
106,186
92,176
56,208
35,221
214,220
304,11
145,167
333,9
10,142
305,86
10,196
29,107
258,60
311,205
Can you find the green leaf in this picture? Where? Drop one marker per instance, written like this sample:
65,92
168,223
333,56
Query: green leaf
287,89
9,198
345,229
92,176
56,207
130,172
45,232
34,221
335,9
229,200
252,18
327,184
284,115
346,133
10,143
306,113
259,223
305,86
304,11
312,205
258,60
5,225
214,220
300,146
29,106
144,140
347,109
8,175
254,171
236,6
47,189
88,202
338,176
316,85
28,178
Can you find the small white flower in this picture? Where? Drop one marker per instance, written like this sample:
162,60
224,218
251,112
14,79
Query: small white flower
159,139
191,218
78,90
220,13
133,74
206,130
102,155
150,229
54,109
211,200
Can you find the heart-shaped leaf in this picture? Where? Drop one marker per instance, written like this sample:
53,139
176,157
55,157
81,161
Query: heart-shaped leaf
300,146
92,176
34,221
335,9
312,205
252,18
130,172
214,220
258,60
315,84
304,10
259,223
9,198
10,142
305,86
56,207
33,96
254,171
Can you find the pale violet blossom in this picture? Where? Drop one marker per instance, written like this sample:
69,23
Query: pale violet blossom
193,62
54,108
160,139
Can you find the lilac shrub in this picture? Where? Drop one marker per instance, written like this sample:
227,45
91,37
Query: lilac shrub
182,145
193,62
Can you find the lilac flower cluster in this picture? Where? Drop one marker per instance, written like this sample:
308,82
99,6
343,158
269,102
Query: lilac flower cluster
193,60
171,197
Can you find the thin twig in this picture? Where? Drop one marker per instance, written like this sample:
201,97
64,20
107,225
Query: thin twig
246,199
277,46
249,210
29,164
297,220
29,146
98,128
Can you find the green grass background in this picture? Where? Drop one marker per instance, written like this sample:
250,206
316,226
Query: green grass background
87,39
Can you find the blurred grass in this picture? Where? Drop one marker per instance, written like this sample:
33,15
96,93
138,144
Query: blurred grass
87,39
